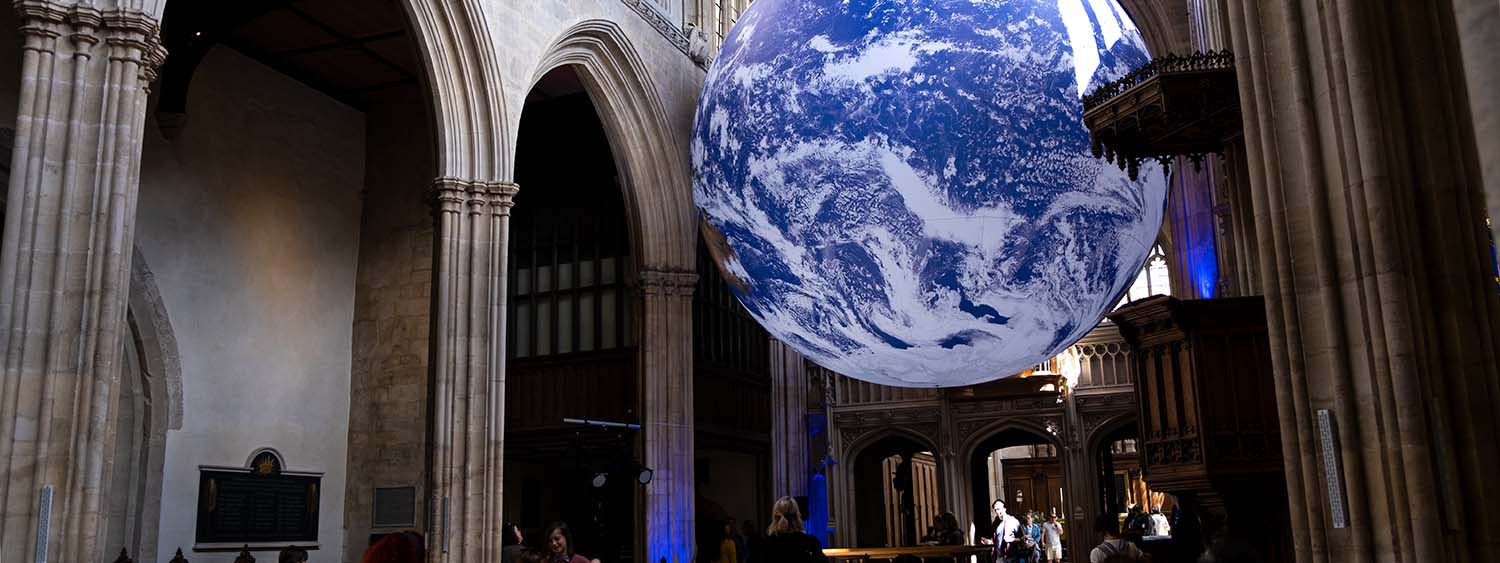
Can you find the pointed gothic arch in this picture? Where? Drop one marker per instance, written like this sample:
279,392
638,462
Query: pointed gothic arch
649,156
463,80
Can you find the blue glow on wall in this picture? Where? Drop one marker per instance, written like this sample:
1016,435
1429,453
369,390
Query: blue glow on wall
1205,269
817,509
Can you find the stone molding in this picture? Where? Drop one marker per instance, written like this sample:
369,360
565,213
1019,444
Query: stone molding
679,37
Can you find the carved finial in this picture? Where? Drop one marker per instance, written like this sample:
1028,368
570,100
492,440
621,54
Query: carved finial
245,556
124,557
178,558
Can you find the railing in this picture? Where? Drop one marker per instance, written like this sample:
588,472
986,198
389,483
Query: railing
922,553
673,19
1212,60
1104,360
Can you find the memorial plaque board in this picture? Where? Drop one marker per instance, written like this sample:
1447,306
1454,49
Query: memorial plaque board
260,504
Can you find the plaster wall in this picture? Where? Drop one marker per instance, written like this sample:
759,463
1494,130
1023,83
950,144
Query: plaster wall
250,220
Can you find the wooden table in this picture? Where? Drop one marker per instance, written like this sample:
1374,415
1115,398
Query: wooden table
958,553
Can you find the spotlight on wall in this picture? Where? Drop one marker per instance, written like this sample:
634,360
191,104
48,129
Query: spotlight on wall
644,477
600,479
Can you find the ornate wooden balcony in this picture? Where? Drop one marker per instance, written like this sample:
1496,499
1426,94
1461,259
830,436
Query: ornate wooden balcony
1171,106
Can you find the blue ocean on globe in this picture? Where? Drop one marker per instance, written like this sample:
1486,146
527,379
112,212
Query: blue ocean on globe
903,190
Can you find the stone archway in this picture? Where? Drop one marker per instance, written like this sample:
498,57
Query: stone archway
148,404
654,174
654,179
860,523
464,80
979,469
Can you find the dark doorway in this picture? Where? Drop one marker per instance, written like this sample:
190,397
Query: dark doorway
1017,466
897,494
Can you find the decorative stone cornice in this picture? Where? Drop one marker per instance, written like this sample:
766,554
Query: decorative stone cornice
679,37
669,283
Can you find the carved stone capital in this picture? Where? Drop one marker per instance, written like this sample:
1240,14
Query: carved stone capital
133,36
668,283
451,195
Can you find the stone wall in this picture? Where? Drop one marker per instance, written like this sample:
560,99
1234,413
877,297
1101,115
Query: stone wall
388,386
250,220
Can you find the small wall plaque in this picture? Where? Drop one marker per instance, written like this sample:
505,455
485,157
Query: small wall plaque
44,523
1332,469
395,507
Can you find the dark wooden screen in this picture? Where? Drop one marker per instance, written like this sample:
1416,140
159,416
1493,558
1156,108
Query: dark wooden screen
732,387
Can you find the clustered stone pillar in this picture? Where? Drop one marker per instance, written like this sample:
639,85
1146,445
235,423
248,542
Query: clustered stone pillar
1376,270
65,266
468,420
666,358
789,380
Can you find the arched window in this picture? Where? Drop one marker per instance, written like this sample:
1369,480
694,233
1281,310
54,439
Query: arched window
1153,279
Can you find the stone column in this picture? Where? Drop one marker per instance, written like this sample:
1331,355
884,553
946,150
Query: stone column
1376,271
789,380
468,355
666,358
65,266
1081,477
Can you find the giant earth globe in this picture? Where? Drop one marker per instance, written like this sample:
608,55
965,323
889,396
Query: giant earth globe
904,191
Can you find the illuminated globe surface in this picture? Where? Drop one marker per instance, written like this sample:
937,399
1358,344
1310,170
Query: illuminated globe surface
903,190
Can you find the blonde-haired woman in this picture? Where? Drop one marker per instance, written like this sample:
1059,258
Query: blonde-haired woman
785,541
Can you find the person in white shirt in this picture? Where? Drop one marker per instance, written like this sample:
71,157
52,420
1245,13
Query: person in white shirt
1109,526
1052,539
1006,528
1159,524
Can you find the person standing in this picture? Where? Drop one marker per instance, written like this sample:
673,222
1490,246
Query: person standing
1006,527
727,551
950,535
510,543
1052,539
1028,540
741,551
292,554
1159,525
785,541
1113,545
751,534
560,544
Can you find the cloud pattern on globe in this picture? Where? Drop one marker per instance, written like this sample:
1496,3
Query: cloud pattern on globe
903,190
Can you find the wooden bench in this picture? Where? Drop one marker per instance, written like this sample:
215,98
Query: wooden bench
958,553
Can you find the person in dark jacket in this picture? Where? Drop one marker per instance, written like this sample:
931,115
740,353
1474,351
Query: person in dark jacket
510,542
785,541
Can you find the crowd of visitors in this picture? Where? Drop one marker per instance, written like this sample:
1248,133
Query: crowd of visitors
1025,539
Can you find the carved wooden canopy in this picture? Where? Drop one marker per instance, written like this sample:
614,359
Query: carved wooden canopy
1171,106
